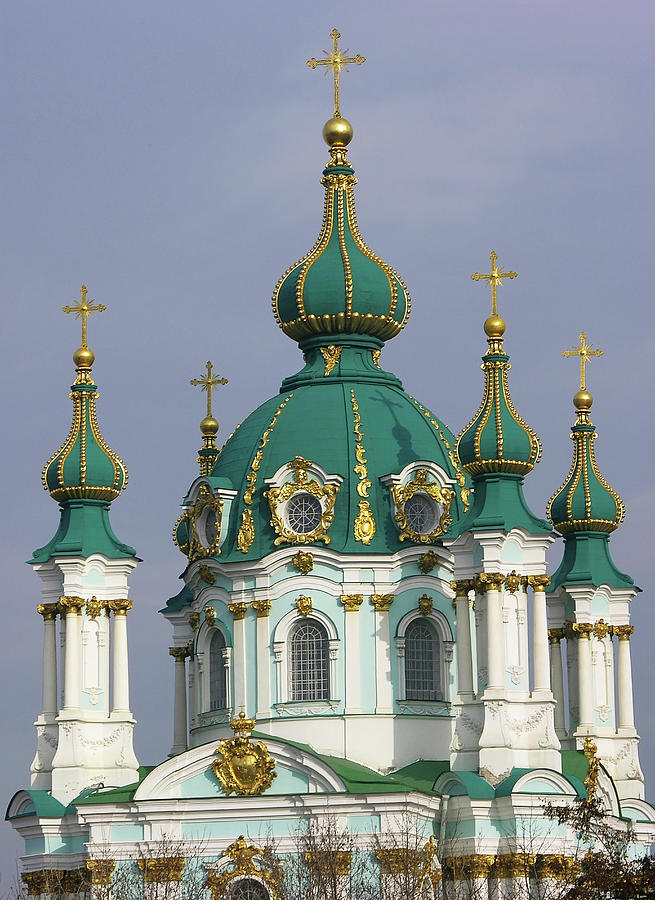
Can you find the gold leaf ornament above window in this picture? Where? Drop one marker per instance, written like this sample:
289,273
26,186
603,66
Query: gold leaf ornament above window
422,508
302,509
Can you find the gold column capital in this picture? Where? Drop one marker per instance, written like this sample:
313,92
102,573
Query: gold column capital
179,654
352,602
120,607
238,610
488,581
462,587
262,607
48,611
71,605
161,868
583,629
382,602
539,582
623,632
100,870
555,635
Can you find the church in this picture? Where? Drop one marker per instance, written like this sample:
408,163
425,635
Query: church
373,626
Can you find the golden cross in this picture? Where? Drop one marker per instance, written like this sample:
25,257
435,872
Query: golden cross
494,278
208,383
585,352
82,309
336,60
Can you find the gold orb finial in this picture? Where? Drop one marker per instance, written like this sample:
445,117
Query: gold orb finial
494,327
337,132
583,400
83,358
209,426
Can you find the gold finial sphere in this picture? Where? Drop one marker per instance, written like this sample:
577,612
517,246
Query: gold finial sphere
583,400
209,426
337,132
83,358
494,327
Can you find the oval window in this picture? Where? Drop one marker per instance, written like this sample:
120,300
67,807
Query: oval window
304,512
421,513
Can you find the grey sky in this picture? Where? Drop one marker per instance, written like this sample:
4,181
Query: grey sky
169,155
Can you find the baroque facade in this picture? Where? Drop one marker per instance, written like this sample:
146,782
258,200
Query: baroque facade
367,628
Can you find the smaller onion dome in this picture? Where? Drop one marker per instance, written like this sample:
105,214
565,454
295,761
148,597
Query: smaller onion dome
497,439
85,467
340,285
585,502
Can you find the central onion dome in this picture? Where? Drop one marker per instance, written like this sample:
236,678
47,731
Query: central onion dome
340,285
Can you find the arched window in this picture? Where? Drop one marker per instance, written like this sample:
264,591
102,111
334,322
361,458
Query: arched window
422,662
309,662
217,672
248,889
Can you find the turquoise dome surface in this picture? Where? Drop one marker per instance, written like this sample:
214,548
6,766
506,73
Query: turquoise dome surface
313,417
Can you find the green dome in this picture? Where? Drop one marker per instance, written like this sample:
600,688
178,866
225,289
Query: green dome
357,425
340,286
85,467
497,439
585,502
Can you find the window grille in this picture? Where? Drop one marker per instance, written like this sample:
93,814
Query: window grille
422,662
217,672
304,513
249,889
421,514
309,662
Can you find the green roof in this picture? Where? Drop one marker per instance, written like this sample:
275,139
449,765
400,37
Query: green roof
113,795
84,529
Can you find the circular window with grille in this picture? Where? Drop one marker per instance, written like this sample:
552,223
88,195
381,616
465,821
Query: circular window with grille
304,513
421,513
249,889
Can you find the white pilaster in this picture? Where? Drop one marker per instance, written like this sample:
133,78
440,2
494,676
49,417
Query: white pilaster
352,602
238,611
585,683
179,654
73,655
557,679
541,677
121,684
263,609
49,686
383,685
463,632
495,636
626,717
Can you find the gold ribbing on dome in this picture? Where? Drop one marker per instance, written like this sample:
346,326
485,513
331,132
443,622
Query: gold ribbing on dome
583,399
494,326
83,308
208,425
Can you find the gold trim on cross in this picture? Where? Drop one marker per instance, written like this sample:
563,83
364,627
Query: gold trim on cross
83,309
209,382
494,278
585,351
336,60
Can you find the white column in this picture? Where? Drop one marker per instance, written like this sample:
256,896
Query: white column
352,602
626,717
179,654
73,652
555,636
383,685
238,611
463,635
49,612
263,609
120,706
492,582
541,676
193,691
585,685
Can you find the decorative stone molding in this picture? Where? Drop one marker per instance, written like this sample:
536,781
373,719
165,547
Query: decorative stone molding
352,602
514,865
100,871
382,602
303,561
161,868
262,607
336,862
602,629
95,607
513,581
210,615
194,621
238,610
428,561
425,605
206,574
472,865
304,605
